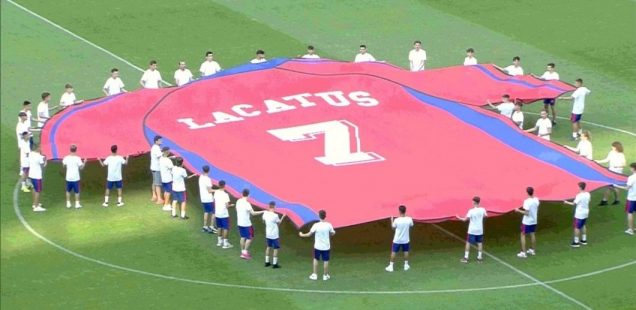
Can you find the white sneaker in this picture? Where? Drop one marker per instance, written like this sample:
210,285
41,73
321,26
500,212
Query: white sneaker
326,277
406,267
219,244
531,252
120,204
629,232
227,246
77,206
105,204
522,255
68,205
166,208
313,276
38,209
389,268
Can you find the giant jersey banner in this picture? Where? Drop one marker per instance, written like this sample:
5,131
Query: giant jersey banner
354,139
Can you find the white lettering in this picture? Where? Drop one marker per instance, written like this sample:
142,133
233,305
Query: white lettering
363,99
274,106
240,110
192,125
302,98
222,117
327,96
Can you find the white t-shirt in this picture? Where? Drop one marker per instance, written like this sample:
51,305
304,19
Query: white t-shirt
25,149
178,179
506,108
258,61
221,199
402,226
582,202
182,77
43,113
517,117
271,220
209,68
364,57
151,78
631,183
545,126
73,164
155,155
310,56
616,161
532,206
476,225
243,212
114,163
22,127
470,61
322,232
204,184
550,76
68,99
584,148
36,160
512,70
579,99
165,167
29,115
417,59
113,86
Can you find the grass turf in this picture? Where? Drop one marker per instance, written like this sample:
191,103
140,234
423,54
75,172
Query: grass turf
37,56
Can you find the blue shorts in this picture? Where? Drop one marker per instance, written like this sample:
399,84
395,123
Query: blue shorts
37,185
579,223
167,187
321,255
223,222
272,243
246,232
208,207
405,247
73,186
474,239
179,197
116,184
528,229
630,206
549,101
574,118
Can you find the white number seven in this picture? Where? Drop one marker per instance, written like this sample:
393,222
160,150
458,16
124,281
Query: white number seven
338,144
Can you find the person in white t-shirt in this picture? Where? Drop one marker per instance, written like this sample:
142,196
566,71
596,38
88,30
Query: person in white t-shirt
476,217
581,213
24,145
260,57
155,155
206,193
584,148
209,66
151,77
24,125
530,211
515,68
506,107
363,55
616,162
114,85
517,115
37,162
550,75
73,165
44,110
244,211
183,75
179,196
577,107
470,59
114,179
311,53
543,127
401,239
323,231
630,204
417,57
271,219
26,108
68,97
165,169
221,204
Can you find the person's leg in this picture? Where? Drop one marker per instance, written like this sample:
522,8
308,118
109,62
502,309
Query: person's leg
315,266
106,194
467,250
205,219
275,257
267,256
247,245
174,208
615,191
325,266
406,260
630,221
68,198
219,236
605,196
480,249
523,242
120,196
242,243
392,257
553,109
533,240
584,233
153,191
158,194
183,208
577,233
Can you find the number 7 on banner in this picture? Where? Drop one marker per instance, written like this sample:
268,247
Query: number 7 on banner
338,144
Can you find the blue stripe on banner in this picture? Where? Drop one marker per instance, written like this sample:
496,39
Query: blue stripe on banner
512,80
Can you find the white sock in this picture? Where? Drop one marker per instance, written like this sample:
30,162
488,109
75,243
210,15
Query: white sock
225,242
584,237
574,135
275,260
219,240
479,255
267,258
174,211
77,202
68,202
466,254
119,199
243,251
182,213
406,263
106,199
576,239
34,207
390,264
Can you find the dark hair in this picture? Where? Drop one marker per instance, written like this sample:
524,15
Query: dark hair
45,94
310,47
322,214
506,96
153,62
582,185
530,190
73,148
222,183
178,161
260,52
470,50
208,53
206,168
632,165
68,86
417,41
580,80
24,133
551,65
402,209
476,199
157,138
518,103
113,148
22,114
246,192
272,204
113,70
618,146
26,102
363,46
165,149
516,58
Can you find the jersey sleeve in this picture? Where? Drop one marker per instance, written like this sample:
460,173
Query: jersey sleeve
313,229
331,230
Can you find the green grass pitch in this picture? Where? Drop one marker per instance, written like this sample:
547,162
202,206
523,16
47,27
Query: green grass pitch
137,257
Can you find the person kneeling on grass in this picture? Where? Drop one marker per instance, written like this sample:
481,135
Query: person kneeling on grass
114,178
179,175
272,220
581,213
322,246
244,211
530,211
401,239
476,217
630,205
36,163
206,193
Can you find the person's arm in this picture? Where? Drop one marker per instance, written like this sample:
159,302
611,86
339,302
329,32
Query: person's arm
101,162
305,235
603,161
568,202
492,106
160,80
125,160
576,149
522,211
142,81
463,219
282,218
105,89
83,163
392,223
252,212
533,129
